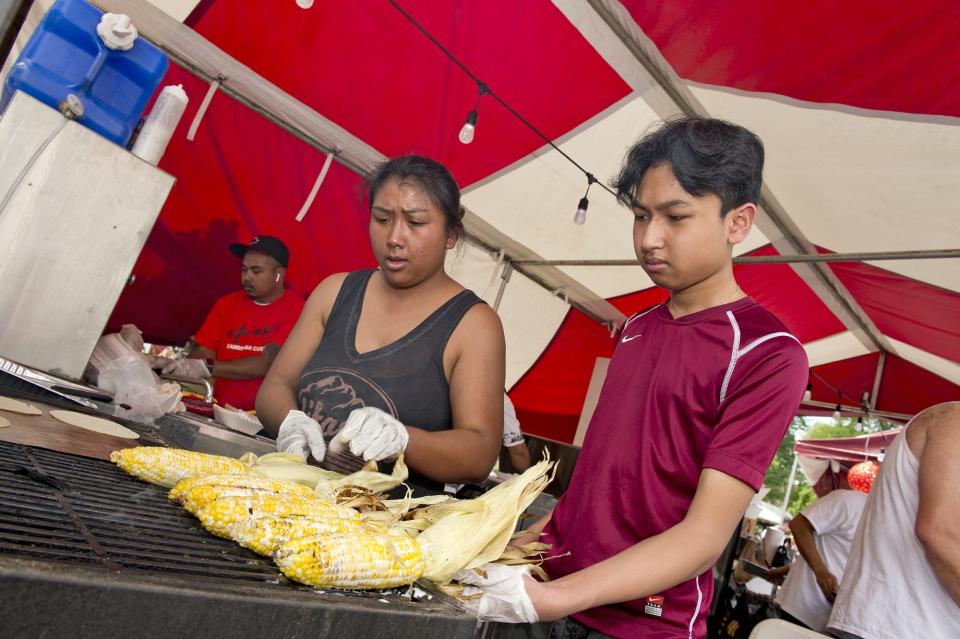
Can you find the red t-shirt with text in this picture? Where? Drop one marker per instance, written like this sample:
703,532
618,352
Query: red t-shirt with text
715,389
239,327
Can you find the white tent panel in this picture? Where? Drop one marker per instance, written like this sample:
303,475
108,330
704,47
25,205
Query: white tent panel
534,202
178,9
834,348
530,315
856,180
938,365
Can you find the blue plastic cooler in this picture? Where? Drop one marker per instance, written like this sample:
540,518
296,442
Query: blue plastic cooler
65,55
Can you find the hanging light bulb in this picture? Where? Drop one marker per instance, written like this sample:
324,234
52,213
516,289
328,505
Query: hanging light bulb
836,412
859,425
808,394
304,4
580,217
466,133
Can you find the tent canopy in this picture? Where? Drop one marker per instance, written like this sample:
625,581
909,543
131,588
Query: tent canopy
857,105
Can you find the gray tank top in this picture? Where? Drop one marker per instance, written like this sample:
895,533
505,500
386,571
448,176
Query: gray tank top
405,379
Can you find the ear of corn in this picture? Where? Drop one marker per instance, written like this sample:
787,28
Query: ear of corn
265,534
197,498
168,466
353,561
237,481
219,514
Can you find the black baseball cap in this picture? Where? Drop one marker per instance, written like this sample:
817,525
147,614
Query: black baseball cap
266,244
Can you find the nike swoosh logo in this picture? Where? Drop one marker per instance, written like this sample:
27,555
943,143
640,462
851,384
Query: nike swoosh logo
626,339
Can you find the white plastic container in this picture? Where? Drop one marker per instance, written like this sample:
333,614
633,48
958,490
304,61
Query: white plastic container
160,124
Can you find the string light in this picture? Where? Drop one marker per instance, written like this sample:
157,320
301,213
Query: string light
859,425
581,215
836,411
469,126
808,394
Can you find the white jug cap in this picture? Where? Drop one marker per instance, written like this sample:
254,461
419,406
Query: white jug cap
117,31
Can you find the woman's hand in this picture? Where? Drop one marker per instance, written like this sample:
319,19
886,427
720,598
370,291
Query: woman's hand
371,433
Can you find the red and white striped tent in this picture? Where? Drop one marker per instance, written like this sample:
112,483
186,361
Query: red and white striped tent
857,103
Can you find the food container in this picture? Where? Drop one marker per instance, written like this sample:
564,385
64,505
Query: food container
237,420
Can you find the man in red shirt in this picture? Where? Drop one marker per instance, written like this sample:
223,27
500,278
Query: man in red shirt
698,395
245,329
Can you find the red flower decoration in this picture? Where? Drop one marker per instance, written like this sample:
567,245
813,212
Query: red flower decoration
861,476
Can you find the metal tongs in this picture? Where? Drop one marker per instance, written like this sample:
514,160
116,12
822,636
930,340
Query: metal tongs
62,388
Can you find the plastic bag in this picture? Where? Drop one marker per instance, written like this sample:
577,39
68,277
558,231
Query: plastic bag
118,366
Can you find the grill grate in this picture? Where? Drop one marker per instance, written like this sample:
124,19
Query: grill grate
99,515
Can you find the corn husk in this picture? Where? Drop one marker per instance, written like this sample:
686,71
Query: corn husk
326,483
470,533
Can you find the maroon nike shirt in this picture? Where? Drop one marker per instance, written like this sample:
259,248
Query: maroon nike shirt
715,389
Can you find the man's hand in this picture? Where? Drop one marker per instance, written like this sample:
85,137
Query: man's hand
503,588
301,434
187,368
828,584
371,434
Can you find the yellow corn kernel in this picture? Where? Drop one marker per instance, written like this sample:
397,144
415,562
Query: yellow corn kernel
264,535
355,561
219,514
199,496
237,481
168,466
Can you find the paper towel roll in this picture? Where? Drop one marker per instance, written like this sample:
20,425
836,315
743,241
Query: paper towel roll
160,124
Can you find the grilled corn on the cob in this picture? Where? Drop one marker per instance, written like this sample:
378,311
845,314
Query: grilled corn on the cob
264,535
168,466
353,560
219,514
237,481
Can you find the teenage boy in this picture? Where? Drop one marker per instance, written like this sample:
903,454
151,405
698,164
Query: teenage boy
698,395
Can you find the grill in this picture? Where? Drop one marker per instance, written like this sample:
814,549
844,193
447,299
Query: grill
86,550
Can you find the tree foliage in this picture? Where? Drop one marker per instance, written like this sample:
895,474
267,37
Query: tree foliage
778,475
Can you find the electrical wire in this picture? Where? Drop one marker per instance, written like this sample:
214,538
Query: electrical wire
485,88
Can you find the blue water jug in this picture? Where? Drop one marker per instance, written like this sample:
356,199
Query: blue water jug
66,56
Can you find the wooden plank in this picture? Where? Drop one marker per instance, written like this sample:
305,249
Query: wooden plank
46,432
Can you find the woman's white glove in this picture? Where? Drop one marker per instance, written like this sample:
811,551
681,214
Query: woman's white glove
372,434
187,368
302,435
504,597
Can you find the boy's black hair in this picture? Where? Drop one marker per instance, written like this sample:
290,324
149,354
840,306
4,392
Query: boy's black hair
706,155
434,178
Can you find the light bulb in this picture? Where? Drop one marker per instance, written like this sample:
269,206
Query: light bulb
808,394
859,425
836,412
466,133
304,4
581,215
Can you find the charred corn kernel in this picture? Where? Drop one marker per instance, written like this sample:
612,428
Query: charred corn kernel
356,561
219,514
264,535
238,481
168,466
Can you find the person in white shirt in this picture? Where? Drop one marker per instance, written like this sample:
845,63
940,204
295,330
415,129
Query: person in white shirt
903,576
513,438
823,532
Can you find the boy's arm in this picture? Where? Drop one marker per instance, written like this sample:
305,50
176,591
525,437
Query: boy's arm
677,554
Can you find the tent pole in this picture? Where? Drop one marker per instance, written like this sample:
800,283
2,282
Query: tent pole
876,380
504,280
776,259
792,476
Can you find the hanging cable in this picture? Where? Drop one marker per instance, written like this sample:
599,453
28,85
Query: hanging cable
581,215
493,95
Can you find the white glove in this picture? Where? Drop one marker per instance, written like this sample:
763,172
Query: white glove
371,434
302,435
187,368
504,597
